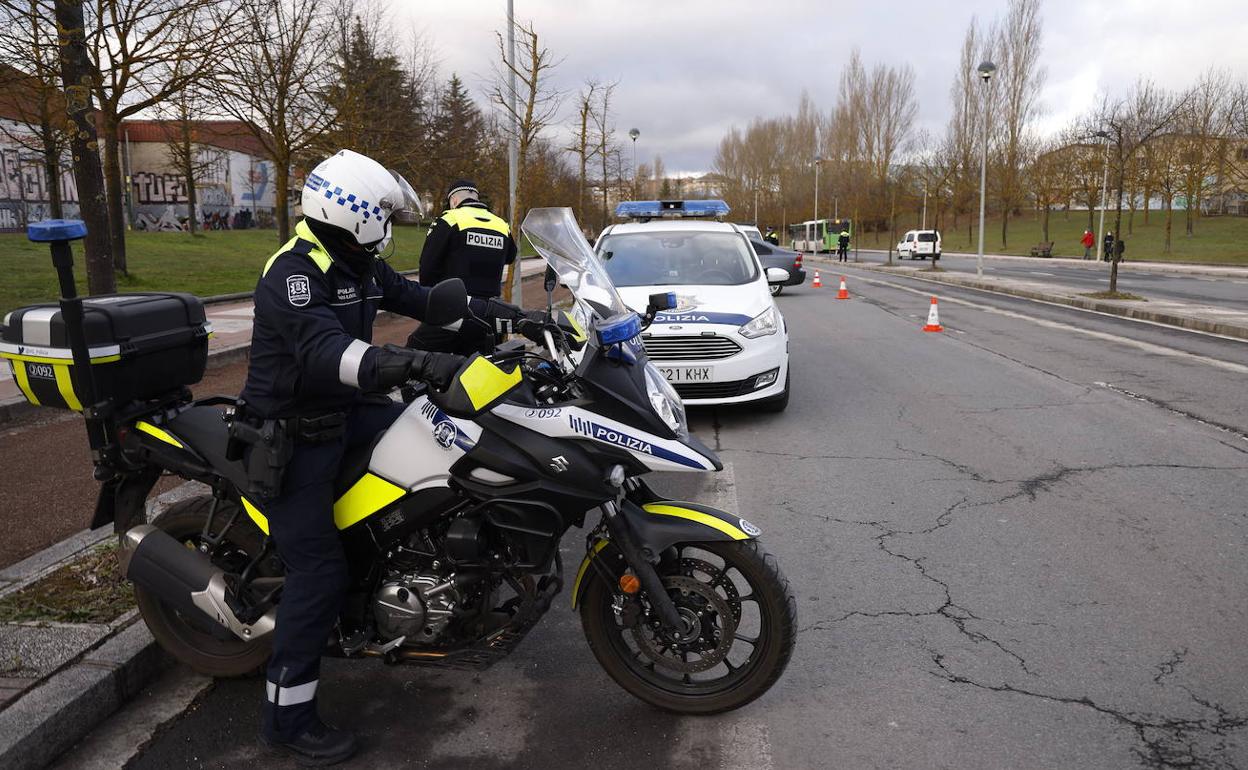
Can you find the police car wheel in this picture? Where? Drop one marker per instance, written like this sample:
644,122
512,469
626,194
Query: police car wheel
186,638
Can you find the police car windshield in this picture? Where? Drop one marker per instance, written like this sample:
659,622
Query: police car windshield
676,258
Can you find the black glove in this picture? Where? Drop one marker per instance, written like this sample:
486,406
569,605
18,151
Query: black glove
535,328
394,365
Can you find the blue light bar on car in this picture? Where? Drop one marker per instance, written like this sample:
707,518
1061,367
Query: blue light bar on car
620,328
652,209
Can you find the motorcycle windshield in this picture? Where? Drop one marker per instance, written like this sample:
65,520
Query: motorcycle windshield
557,237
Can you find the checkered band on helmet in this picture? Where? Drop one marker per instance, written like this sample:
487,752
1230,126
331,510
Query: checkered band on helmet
353,192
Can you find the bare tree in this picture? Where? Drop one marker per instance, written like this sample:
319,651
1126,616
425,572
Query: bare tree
604,138
186,153
30,83
273,81
1199,131
536,102
1020,79
582,146
144,52
76,70
1131,123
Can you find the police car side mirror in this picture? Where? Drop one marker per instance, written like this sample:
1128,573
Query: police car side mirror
447,303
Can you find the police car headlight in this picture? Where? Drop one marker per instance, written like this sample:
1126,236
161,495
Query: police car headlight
763,324
667,405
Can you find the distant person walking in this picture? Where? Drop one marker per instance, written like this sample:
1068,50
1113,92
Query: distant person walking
1108,252
1120,246
842,246
1088,241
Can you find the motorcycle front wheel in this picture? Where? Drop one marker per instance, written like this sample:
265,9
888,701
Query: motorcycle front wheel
740,628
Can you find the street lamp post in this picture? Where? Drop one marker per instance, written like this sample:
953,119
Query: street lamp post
1100,241
633,134
985,70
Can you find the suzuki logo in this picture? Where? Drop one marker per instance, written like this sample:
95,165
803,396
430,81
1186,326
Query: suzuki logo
559,464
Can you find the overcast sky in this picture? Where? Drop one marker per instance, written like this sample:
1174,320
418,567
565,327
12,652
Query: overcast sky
690,70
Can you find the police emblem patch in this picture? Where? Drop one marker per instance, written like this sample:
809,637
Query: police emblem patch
444,433
484,239
298,290
750,529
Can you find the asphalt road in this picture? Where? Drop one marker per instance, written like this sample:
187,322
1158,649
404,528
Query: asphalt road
1094,276
1019,543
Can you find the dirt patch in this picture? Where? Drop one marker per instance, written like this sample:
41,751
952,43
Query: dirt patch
91,589
1115,295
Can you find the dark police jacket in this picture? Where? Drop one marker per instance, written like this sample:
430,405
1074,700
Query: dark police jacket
313,328
470,243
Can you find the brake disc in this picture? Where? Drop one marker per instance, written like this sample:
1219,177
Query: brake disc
689,566
698,605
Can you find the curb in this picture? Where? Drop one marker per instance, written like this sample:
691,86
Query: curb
1099,306
51,718
1142,266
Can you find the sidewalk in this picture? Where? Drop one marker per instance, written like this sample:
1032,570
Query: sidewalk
1185,315
1212,271
231,337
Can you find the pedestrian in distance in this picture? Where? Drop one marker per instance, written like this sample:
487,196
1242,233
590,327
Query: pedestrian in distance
1108,250
1120,246
842,246
469,242
1088,241
771,236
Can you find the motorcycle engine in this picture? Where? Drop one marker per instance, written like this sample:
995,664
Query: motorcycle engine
415,606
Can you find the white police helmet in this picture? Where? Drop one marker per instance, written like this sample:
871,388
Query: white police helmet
357,194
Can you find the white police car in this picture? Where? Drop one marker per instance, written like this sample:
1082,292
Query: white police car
725,342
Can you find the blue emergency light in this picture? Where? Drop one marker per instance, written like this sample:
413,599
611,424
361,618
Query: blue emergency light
655,209
619,328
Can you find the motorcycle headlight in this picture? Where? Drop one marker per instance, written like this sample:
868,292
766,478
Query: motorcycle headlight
665,402
763,324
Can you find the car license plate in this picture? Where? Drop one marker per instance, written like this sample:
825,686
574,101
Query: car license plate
686,373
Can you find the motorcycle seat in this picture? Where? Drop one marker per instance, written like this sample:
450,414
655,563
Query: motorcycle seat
203,428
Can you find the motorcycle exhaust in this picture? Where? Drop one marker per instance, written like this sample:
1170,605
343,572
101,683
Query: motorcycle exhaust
186,579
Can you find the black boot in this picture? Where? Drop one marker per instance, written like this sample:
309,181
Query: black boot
317,746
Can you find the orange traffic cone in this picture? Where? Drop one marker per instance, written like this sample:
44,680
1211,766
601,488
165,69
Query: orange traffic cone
843,292
933,319
818,284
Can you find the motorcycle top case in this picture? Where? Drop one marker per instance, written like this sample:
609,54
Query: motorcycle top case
142,345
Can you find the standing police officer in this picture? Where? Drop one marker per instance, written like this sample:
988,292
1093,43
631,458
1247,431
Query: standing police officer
471,243
312,364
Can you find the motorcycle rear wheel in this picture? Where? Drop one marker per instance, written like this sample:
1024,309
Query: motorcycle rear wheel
717,583
188,638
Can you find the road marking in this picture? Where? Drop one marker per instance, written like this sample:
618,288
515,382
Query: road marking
1148,347
990,292
1037,272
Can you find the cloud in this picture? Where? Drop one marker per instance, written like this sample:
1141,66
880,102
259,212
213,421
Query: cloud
690,70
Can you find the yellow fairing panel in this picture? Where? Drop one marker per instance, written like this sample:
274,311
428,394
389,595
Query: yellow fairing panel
667,509
23,382
66,386
158,433
367,496
484,382
256,516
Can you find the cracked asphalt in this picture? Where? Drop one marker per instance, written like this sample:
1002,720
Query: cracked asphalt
1013,545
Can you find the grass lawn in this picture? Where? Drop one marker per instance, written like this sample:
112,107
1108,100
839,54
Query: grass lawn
1217,240
217,262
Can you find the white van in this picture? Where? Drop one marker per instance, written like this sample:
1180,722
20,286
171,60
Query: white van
919,244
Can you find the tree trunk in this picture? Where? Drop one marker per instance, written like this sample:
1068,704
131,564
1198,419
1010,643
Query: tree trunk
52,169
1189,226
1091,218
281,194
1005,223
1044,226
116,195
1148,194
1114,256
1169,223
192,197
75,72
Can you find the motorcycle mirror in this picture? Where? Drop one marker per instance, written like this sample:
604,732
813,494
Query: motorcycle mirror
663,301
447,303
552,279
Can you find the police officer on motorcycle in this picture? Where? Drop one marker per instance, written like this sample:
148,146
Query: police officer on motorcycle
471,243
313,366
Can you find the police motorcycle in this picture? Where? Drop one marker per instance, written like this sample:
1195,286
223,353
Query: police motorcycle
451,520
